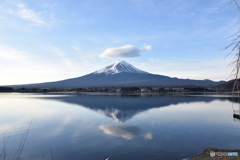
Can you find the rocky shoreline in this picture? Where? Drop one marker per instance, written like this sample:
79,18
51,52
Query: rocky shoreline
218,154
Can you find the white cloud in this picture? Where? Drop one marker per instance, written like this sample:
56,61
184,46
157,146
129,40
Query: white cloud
77,49
9,53
56,51
212,10
124,51
49,63
146,47
127,51
60,54
25,13
29,14
21,67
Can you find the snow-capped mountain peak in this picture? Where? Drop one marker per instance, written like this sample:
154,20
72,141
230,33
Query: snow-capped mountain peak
119,67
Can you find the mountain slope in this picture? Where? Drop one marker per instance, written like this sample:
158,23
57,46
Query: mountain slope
122,74
228,86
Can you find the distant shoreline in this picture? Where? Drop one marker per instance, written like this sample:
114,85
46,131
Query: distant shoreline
160,90
76,92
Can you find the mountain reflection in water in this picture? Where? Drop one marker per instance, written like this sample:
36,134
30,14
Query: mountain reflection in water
121,108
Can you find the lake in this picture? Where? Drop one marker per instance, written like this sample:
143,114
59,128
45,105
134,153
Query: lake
117,126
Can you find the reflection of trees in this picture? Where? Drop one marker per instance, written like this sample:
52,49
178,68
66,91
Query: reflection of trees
234,99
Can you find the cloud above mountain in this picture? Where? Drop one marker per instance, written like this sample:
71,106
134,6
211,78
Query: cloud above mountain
127,51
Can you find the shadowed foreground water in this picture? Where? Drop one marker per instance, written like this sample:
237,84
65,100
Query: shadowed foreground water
91,127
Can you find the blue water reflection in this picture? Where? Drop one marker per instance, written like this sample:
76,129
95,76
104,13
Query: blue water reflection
89,127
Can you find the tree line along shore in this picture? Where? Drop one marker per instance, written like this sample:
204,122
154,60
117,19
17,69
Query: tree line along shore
115,89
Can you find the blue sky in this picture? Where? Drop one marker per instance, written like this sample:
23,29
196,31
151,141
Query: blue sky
52,40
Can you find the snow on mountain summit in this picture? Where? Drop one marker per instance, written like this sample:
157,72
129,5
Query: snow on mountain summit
119,67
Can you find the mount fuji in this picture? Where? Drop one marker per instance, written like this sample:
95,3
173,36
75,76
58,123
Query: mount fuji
122,74
120,67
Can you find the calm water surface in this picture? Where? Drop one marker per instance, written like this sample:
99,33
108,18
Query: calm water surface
121,127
